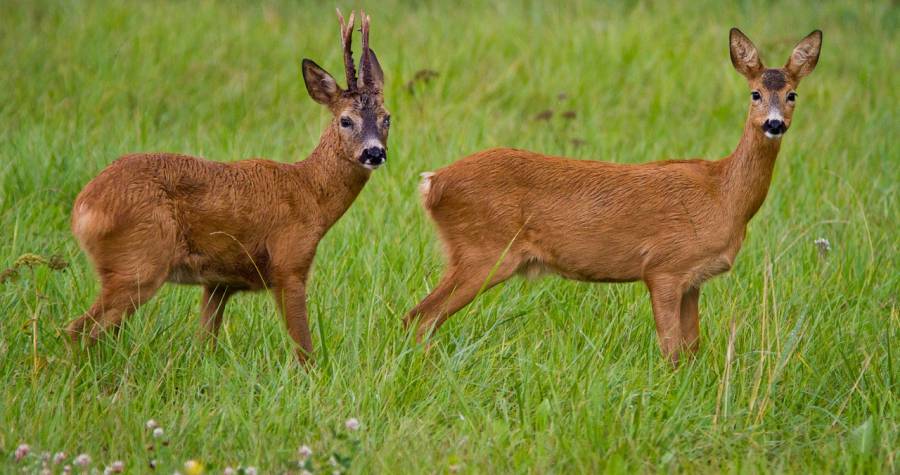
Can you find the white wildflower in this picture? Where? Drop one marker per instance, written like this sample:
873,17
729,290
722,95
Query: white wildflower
823,246
352,424
304,452
83,460
22,451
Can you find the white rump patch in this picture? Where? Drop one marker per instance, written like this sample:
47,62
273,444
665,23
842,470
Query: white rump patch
85,218
425,186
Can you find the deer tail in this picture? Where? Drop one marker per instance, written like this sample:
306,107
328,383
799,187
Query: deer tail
431,190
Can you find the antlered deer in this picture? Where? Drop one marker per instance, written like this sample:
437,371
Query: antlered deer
248,225
672,224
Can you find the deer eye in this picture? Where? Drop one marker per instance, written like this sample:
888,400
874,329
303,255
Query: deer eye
792,96
386,122
346,122
756,95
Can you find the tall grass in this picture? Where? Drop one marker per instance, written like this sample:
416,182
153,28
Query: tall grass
798,370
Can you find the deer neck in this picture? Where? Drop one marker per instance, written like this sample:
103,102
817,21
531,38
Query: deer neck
333,179
748,172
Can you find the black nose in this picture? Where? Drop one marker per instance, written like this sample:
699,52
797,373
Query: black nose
774,127
373,156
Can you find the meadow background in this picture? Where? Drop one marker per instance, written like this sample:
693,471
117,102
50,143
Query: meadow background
543,376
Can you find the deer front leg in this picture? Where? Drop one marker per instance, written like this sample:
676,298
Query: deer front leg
666,297
290,296
690,320
212,310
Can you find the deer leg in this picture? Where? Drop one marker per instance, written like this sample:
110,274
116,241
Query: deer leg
290,297
119,297
212,309
459,286
690,320
438,294
665,297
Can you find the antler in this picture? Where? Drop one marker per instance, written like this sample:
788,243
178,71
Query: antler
365,64
347,43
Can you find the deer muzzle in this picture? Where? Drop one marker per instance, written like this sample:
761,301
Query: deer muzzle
373,157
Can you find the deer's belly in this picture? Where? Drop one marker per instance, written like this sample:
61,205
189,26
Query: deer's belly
203,272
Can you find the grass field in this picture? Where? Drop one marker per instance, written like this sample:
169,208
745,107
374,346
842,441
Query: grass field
544,376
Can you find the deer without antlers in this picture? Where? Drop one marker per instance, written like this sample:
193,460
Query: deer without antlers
241,226
672,224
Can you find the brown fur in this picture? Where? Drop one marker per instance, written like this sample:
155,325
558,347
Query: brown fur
243,226
671,224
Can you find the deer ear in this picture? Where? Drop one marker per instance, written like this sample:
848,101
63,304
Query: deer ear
744,55
377,73
805,55
320,85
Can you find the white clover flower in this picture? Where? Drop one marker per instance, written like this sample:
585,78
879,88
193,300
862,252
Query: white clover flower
59,458
151,424
67,469
250,471
228,471
117,467
352,424
304,452
83,460
158,432
22,451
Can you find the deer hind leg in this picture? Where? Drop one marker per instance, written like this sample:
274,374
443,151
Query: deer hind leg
212,309
131,265
666,297
120,296
459,285
690,320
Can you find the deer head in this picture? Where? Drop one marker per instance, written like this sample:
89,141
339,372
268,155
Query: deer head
360,117
773,91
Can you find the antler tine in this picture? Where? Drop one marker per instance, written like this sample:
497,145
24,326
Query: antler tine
365,65
347,43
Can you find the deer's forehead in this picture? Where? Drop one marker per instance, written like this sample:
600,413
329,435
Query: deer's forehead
363,102
773,79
